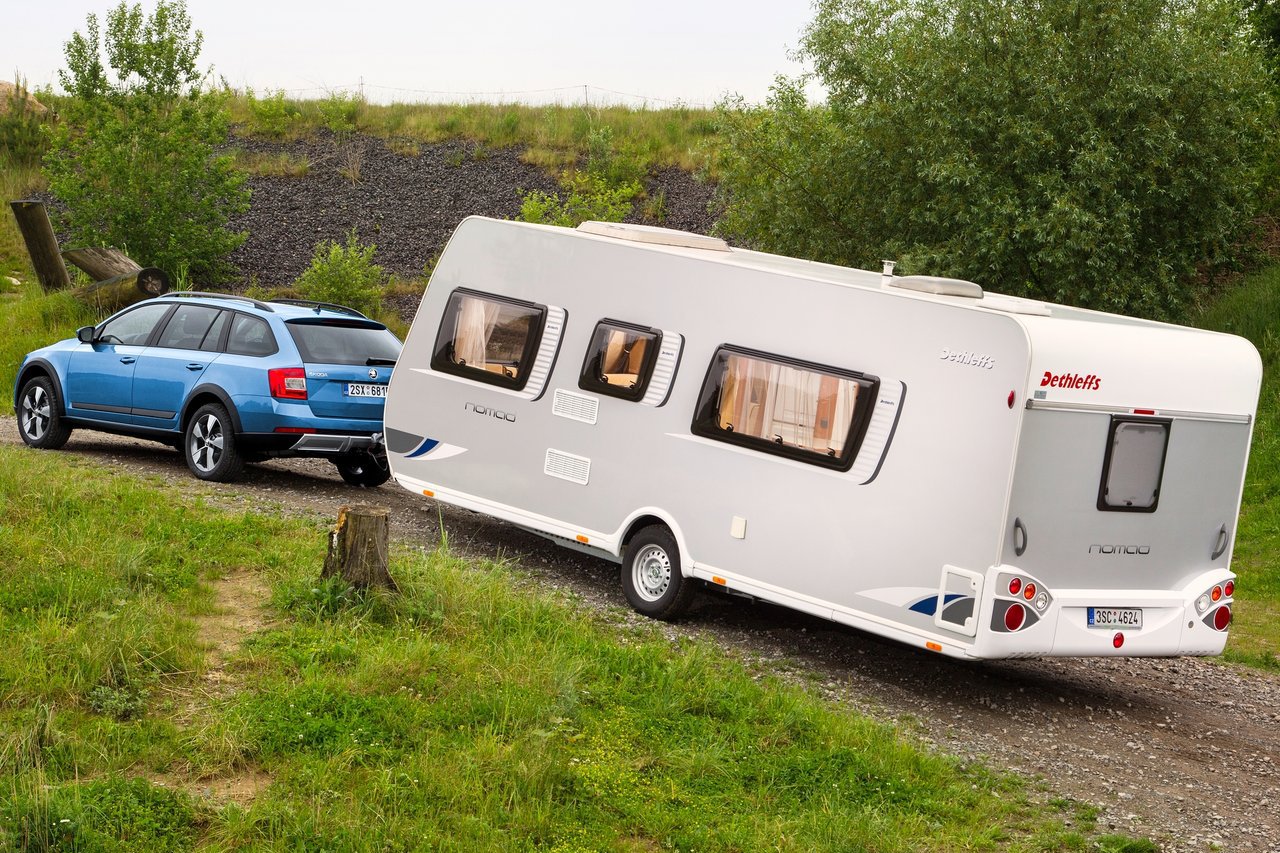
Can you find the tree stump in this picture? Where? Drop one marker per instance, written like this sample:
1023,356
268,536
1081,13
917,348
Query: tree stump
115,293
359,547
101,263
42,243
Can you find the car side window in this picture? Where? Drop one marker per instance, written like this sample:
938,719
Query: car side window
213,338
135,327
250,336
187,327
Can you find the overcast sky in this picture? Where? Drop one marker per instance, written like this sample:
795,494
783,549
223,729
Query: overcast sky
493,50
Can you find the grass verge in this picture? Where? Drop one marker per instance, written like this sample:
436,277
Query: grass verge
466,713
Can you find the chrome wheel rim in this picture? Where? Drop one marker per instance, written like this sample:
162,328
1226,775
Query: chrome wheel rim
206,443
37,412
651,572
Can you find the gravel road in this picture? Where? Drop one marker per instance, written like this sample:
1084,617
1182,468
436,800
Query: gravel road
1183,751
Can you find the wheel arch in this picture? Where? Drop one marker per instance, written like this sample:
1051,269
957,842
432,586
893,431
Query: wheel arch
202,394
647,516
40,367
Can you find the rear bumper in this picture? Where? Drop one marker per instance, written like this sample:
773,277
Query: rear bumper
327,444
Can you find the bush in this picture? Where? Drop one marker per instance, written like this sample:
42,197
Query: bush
588,197
22,143
133,160
269,116
345,275
1084,153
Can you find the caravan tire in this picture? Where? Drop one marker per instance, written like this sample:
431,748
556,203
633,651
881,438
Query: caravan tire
651,577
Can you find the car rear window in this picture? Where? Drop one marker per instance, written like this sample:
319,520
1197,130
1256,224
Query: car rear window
343,341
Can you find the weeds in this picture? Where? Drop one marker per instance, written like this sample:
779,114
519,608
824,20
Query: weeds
345,275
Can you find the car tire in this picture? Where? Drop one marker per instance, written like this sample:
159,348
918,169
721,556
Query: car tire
39,413
363,469
209,445
651,577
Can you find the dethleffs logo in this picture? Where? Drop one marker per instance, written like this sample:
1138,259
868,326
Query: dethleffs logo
1071,380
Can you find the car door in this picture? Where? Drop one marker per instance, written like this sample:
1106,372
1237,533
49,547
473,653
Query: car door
173,365
100,374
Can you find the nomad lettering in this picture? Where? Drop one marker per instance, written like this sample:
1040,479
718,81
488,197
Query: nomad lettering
1071,380
510,417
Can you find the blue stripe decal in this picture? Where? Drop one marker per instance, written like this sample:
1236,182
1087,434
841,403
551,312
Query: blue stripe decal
426,447
929,606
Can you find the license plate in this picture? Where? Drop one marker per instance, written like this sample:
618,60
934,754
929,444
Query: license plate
355,389
1115,617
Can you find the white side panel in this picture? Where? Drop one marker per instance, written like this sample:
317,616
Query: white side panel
551,333
884,419
664,369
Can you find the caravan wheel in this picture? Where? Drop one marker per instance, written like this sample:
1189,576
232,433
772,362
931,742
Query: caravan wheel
651,577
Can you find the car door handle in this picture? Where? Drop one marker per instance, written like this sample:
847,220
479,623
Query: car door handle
194,366
128,359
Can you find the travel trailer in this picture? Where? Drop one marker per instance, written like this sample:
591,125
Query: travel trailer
980,475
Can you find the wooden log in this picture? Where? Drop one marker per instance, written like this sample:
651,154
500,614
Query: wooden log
101,263
358,547
115,293
42,243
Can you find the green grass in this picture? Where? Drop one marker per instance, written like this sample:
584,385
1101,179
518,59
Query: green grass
466,713
1252,309
16,182
30,319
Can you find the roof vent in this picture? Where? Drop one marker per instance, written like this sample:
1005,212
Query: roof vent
653,235
939,286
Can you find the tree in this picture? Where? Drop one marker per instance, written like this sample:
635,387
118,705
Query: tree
1069,150
135,162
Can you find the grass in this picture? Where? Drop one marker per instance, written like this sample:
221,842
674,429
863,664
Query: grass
467,713
554,136
1252,309
16,182
282,165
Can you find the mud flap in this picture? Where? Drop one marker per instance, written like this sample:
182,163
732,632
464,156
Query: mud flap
958,597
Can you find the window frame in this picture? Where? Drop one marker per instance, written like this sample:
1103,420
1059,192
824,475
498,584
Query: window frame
706,415
160,323
173,317
440,353
1116,422
588,378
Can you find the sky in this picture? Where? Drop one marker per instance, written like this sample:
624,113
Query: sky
639,53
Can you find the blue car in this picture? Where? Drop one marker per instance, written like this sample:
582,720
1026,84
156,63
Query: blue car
226,379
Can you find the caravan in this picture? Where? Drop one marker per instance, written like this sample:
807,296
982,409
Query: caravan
977,474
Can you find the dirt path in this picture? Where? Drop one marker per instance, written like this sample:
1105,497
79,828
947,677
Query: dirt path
1182,750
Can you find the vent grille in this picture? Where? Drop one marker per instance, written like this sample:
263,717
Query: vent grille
575,407
566,466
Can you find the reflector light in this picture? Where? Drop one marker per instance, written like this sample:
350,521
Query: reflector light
719,580
1229,588
1012,397
288,383
1029,592
1014,617
1117,640
1202,603
1144,411
933,647
1222,618
583,539
429,493
1015,586
296,430
1042,601
1216,594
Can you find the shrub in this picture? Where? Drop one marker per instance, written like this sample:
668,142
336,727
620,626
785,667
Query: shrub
339,112
345,275
1086,153
587,197
22,143
270,116
134,160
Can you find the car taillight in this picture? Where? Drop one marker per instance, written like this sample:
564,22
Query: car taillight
288,383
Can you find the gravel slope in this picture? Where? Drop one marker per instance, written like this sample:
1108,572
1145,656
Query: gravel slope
1184,751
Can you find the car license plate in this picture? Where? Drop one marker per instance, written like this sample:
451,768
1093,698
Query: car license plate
1115,617
355,389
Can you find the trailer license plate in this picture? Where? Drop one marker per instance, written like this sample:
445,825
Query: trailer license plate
361,390
1115,617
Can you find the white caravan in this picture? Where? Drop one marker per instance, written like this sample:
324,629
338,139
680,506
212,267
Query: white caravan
981,475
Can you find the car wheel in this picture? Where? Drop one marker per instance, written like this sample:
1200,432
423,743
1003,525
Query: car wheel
363,469
210,445
39,420
651,577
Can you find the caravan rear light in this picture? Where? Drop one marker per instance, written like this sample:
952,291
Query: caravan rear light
1042,601
1012,397
1015,586
1222,617
1117,640
1216,595
288,383
1229,588
1029,592
1202,603
1015,616
1144,411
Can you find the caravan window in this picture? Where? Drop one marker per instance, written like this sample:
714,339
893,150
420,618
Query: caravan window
489,338
790,408
1133,465
620,360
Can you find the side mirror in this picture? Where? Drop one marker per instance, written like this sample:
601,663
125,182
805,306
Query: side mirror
86,334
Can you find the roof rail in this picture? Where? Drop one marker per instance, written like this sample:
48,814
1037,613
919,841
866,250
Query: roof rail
210,295
311,303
